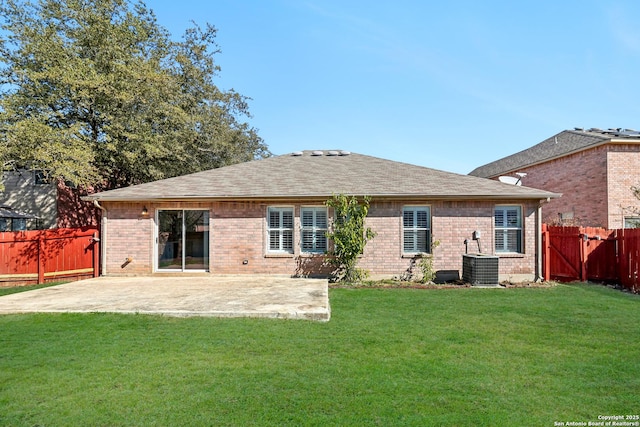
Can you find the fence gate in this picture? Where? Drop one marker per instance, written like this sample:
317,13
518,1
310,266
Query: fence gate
601,254
562,254
590,253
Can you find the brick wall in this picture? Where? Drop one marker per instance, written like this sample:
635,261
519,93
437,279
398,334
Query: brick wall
73,212
623,171
129,237
595,186
582,180
238,238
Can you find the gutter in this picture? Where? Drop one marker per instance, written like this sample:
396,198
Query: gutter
103,236
539,259
463,197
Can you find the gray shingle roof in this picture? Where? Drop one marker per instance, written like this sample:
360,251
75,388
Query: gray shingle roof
566,142
9,212
306,175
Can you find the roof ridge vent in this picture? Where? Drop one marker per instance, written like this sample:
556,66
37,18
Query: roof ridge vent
317,153
297,153
333,153
345,152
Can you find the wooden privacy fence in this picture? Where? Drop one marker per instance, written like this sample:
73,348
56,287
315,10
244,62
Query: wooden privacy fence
589,253
47,255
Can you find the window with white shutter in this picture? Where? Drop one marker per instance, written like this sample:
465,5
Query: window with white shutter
313,222
280,229
416,226
508,229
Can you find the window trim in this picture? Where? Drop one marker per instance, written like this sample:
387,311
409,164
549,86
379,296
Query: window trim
314,229
156,234
428,229
280,251
629,220
520,229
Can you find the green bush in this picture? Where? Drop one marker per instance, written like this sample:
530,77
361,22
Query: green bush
349,236
426,265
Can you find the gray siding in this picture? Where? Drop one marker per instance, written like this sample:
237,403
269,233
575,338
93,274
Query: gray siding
22,193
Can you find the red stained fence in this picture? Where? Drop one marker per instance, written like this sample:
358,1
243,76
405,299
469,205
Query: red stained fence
629,259
589,253
49,255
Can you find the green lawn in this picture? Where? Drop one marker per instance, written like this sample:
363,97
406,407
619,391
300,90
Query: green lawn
24,288
388,357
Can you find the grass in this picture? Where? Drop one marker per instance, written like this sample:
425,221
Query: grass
459,357
24,288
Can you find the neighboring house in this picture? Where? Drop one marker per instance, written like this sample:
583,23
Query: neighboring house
28,192
269,216
594,170
42,203
12,220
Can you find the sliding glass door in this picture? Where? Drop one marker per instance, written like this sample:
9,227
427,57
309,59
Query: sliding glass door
183,240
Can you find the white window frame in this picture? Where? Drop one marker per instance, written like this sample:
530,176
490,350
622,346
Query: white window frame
415,229
631,222
156,232
281,230
506,228
315,230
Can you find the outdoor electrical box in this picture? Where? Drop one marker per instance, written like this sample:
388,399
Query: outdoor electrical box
476,235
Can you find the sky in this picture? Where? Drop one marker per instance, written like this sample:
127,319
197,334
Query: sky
450,85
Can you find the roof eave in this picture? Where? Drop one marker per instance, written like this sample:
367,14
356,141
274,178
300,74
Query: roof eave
503,196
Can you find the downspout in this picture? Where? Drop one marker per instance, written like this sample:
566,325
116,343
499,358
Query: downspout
539,276
103,236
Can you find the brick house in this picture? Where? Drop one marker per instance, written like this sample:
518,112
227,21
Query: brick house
594,170
269,216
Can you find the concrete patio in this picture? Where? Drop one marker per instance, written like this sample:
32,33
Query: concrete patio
207,295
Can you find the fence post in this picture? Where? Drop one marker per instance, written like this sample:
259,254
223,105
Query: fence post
619,254
41,257
583,254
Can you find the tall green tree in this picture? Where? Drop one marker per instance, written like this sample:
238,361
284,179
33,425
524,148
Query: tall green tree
96,92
